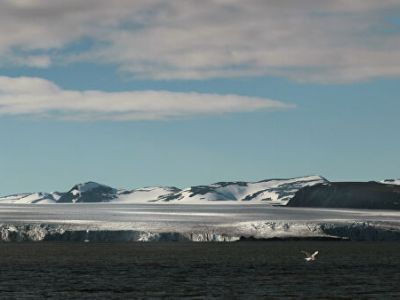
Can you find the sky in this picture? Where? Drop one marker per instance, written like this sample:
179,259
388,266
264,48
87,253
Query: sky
185,92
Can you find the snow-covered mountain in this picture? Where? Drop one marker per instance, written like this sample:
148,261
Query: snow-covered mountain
36,198
146,194
94,192
273,191
391,181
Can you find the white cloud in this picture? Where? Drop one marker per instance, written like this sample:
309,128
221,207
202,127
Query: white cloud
41,98
305,40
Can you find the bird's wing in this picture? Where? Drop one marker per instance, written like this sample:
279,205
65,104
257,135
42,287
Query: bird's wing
306,253
314,254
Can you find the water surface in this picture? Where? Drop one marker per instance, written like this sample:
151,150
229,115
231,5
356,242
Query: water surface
243,270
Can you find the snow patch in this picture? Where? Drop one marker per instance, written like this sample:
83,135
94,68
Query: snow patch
143,195
391,181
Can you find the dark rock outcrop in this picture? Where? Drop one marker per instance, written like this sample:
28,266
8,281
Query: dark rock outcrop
369,195
89,192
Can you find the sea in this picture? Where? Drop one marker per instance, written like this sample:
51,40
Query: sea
180,270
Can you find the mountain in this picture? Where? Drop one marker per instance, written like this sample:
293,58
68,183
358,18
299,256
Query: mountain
95,192
370,195
273,191
89,192
309,191
34,198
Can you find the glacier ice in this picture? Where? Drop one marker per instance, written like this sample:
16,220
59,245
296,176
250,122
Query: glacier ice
182,222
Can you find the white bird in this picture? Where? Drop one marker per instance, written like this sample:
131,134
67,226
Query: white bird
310,257
87,236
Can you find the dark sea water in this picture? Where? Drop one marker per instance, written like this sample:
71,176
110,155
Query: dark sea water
243,270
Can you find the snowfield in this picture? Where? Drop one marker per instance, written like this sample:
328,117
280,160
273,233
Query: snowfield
179,222
143,195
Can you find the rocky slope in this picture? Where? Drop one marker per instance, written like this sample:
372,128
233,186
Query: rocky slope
89,192
369,195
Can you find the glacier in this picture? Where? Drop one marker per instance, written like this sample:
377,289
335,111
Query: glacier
198,223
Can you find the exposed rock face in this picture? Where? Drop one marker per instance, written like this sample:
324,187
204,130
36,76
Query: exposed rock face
369,195
89,192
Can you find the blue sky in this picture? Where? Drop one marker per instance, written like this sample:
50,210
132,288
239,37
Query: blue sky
182,94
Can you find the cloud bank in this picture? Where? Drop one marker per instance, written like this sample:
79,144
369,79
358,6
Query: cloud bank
38,97
304,40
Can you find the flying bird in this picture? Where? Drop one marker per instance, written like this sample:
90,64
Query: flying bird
310,257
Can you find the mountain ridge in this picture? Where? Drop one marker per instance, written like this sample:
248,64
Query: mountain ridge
307,191
274,191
